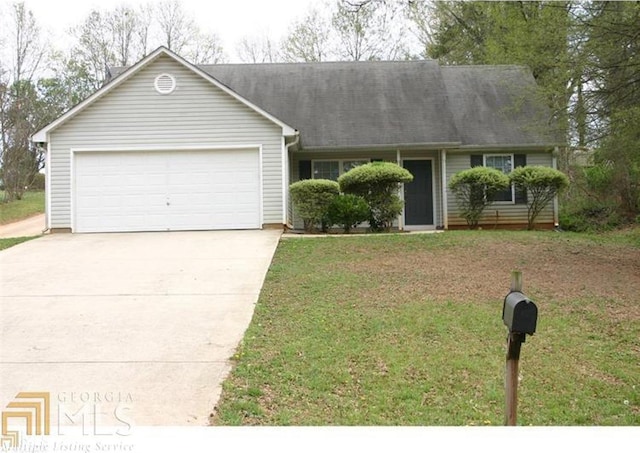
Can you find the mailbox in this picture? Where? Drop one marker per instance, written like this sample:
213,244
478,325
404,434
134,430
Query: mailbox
519,313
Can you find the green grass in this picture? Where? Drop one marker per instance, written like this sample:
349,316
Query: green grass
407,330
10,242
31,204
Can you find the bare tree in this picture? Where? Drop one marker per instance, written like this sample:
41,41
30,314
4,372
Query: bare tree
206,48
4,122
176,28
28,50
257,49
122,23
144,20
368,30
422,21
95,45
308,39
107,38
20,160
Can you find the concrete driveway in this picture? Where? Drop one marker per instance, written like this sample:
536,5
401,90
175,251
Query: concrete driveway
136,327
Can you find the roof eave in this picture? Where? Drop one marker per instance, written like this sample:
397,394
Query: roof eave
502,146
40,137
384,147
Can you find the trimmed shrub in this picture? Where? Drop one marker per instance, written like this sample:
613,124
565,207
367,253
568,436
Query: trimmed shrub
348,210
311,198
542,184
474,190
378,183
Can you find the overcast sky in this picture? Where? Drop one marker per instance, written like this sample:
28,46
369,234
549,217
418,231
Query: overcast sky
230,19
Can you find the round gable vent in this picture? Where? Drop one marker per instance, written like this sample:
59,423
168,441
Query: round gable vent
165,83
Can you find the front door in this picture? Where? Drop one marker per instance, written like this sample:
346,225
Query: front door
418,194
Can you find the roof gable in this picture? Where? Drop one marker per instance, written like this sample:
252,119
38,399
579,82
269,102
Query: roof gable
42,135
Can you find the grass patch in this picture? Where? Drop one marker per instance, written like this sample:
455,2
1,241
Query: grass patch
10,242
32,203
407,330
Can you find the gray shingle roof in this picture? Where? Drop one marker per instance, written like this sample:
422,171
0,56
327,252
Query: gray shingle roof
497,105
359,104
349,104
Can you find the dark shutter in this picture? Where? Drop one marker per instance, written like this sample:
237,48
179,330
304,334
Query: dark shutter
520,160
304,169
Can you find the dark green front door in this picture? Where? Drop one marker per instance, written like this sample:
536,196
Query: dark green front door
418,194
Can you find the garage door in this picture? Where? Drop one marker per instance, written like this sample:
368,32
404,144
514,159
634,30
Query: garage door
166,191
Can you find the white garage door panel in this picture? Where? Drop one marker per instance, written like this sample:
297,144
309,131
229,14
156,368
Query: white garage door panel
160,191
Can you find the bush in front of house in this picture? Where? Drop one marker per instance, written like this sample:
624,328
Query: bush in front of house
542,185
378,183
347,211
474,190
311,198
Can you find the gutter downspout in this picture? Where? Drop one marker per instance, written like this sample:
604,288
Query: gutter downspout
295,141
286,176
47,187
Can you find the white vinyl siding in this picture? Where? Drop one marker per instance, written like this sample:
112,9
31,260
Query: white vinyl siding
498,213
135,116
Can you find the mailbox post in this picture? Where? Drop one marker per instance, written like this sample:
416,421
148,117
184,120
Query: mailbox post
520,315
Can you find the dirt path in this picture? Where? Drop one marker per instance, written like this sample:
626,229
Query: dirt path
31,226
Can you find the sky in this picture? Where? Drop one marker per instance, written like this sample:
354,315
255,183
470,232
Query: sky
229,19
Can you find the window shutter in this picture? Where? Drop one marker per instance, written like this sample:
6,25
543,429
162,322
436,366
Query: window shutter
476,160
304,170
520,160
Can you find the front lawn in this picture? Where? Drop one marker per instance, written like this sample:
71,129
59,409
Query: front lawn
10,242
407,330
32,203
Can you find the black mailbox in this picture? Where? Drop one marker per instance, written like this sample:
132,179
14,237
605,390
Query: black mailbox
519,313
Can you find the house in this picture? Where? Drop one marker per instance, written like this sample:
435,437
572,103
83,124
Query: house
167,145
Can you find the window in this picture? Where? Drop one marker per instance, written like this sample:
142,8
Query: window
504,163
349,164
331,169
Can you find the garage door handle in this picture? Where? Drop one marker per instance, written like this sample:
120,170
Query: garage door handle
168,203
